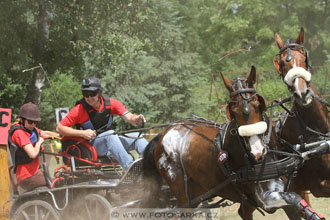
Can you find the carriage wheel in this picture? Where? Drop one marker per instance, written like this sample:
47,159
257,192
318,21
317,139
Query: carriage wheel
36,209
96,207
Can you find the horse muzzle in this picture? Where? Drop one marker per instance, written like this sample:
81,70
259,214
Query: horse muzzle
304,98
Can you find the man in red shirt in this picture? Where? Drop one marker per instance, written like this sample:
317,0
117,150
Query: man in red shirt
93,117
25,142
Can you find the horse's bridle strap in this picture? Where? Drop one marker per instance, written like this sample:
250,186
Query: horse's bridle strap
243,91
290,45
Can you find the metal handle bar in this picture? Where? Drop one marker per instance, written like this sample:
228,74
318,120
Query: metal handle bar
309,146
324,148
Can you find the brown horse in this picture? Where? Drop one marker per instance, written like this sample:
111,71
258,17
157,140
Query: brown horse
201,159
308,120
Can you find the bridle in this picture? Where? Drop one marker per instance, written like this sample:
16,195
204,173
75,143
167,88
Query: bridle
287,48
297,47
241,92
301,49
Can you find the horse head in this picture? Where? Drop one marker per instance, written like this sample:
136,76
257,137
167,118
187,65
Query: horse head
247,108
293,66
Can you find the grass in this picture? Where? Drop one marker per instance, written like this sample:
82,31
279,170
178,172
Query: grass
320,205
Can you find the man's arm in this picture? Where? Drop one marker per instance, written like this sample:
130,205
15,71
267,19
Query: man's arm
87,134
133,119
49,134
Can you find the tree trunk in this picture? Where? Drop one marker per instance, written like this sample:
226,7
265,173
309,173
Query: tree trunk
40,52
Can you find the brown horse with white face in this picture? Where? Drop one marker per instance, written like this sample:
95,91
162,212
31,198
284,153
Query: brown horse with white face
309,119
201,159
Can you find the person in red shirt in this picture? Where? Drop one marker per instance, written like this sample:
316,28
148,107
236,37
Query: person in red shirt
93,117
25,142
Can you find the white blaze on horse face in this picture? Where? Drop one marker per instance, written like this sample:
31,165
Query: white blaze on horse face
268,194
253,130
257,146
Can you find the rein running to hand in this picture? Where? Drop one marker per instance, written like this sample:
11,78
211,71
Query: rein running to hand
297,115
297,148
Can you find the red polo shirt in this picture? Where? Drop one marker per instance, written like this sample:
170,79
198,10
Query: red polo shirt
79,115
23,171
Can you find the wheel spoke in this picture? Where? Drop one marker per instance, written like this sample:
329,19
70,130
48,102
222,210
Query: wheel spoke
36,210
96,207
87,207
47,215
36,213
26,216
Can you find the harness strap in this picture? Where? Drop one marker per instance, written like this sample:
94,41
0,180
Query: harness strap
281,103
304,126
319,99
243,91
271,170
270,120
211,193
185,176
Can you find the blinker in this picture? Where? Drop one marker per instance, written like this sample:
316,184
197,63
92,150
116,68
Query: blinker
246,108
288,51
288,57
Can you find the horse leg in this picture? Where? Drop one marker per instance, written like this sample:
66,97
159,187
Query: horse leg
292,213
304,196
245,211
326,184
321,189
300,206
273,197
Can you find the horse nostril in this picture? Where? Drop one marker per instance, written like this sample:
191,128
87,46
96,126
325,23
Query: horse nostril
304,97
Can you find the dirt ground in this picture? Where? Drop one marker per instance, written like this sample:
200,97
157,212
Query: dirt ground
320,205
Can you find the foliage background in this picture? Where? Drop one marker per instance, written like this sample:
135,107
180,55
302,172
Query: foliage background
156,57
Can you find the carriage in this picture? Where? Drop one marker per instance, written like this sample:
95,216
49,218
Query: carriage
85,187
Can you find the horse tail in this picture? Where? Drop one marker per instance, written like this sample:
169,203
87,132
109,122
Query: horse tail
151,177
149,164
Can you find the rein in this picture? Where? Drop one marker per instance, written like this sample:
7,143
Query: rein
320,99
304,126
297,115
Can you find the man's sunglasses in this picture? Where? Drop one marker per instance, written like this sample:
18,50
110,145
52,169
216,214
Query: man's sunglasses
31,122
89,94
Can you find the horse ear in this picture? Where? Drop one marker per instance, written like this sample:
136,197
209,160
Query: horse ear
277,65
252,78
279,41
227,82
228,112
301,37
262,101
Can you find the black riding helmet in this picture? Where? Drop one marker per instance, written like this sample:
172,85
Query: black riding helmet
91,84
